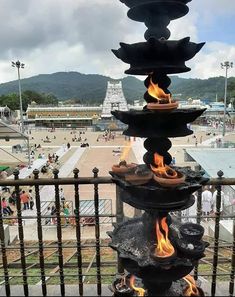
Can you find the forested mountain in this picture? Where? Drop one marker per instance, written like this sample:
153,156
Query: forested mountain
91,88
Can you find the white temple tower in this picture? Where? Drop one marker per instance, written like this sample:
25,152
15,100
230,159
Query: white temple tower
114,100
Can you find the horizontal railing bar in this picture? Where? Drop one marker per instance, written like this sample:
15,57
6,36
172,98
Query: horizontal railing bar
221,181
221,260
104,274
64,217
55,247
86,264
89,180
66,265
210,217
58,181
85,246
209,274
225,246
101,216
57,275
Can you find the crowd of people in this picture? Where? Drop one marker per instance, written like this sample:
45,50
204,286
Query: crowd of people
9,202
106,136
65,212
216,123
27,201
52,160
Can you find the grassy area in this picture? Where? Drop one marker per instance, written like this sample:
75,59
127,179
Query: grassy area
88,254
34,275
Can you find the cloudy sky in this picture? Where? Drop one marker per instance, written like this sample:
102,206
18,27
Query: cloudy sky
78,35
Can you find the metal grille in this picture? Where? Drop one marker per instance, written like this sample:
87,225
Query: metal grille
80,261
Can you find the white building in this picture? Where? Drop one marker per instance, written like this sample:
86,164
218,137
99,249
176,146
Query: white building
114,100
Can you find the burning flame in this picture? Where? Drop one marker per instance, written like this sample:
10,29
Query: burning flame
162,170
192,288
164,247
156,92
140,291
125,152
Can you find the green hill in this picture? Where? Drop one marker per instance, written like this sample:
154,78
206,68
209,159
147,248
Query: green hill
91,88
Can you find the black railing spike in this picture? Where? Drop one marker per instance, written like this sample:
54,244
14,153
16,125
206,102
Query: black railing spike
55,172
36,173
95,171
16,173
97,233
21,235
4,253
40,234
78,233
220,173
76,172
216,236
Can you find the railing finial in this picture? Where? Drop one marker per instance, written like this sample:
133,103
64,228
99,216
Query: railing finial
220,173
95,171
36,173
76,172
55,172
16,173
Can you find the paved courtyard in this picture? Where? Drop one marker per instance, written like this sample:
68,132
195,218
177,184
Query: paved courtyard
100,154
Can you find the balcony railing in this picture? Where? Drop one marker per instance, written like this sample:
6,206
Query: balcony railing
87,258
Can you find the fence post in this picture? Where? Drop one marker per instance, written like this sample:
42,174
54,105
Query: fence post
120,219
97,233
216,243
21,235
78,232
4,253
199,215
59,234
40,234
231,284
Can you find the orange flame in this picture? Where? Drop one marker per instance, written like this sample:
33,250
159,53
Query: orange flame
192,288
140,291
162,170
164,247
156,92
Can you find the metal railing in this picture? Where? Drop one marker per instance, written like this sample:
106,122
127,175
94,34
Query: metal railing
63,262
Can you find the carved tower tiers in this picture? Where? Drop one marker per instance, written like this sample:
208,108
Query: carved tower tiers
114,100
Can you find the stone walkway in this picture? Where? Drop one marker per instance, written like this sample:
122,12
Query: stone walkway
37,164
47,193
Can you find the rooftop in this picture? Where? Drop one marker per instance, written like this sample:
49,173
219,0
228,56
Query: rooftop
212,160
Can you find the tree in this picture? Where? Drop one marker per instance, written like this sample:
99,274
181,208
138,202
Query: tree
11,100
28,96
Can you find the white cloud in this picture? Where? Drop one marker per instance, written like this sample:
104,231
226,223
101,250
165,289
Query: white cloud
68,35
186,26
207,63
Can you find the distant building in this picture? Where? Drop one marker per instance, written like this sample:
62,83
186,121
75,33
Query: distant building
114,100
77,116
63,116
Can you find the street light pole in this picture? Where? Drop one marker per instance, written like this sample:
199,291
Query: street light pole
225,65
19,65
